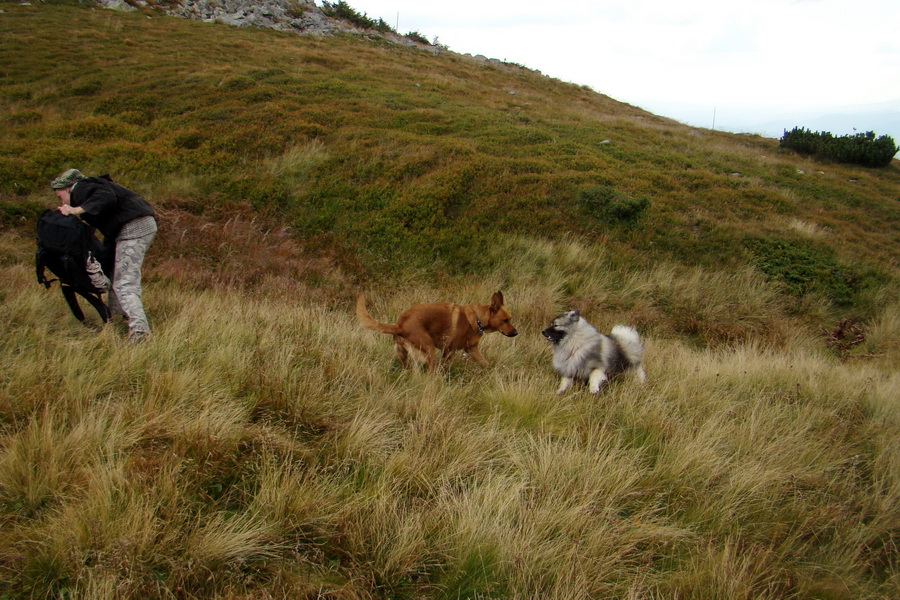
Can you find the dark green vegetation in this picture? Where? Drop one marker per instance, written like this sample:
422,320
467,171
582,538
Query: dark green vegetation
804,267
342,10
859,149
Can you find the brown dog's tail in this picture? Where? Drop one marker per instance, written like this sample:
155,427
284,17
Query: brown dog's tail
367,321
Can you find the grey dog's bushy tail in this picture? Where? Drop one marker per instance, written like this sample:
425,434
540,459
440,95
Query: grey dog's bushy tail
630,342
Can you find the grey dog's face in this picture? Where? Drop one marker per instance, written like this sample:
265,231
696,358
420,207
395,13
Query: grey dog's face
560,326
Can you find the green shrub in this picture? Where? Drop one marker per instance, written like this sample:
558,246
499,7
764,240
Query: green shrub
239,82
258,193
804,267
91,129
189,139
86,88
25,117
610,205
120,156
20,211
418,38
862,148
123,104
345,12
44,162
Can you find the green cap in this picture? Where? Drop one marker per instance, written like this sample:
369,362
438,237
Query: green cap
66,179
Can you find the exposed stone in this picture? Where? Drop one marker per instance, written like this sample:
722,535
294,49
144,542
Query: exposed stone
299,16
302,16
119,5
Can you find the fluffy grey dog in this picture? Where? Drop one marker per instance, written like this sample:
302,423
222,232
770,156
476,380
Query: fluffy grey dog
581,352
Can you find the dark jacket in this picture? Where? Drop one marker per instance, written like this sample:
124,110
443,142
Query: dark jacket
107,205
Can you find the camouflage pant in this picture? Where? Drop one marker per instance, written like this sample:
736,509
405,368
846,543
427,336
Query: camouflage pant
125,296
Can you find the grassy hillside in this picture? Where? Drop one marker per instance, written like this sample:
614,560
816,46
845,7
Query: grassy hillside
261,444
369,147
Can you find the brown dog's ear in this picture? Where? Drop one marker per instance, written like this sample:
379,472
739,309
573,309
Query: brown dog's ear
496,301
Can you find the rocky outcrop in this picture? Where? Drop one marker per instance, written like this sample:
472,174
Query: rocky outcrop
301,16
287,15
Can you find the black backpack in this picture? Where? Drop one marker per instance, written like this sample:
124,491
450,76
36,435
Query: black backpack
63,244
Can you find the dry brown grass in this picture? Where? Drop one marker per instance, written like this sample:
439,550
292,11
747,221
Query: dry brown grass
266,445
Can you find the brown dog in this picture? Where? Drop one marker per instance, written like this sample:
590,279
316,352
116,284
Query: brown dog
447,326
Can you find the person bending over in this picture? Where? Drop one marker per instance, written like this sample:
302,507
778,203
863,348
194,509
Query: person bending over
127,223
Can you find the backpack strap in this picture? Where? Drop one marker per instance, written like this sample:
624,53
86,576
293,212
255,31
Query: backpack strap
39,267
97,302
69,295
94,299
39,264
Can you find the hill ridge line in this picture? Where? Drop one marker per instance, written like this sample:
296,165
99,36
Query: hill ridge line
303,17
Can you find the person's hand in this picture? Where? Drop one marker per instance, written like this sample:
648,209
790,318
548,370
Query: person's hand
69,210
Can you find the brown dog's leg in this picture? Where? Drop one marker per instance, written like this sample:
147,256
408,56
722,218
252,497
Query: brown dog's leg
401,352
446,355
475,353
421,349
428,351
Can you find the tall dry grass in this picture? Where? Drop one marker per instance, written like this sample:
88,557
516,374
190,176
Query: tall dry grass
266,446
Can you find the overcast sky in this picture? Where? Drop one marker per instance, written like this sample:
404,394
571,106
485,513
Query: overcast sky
737,60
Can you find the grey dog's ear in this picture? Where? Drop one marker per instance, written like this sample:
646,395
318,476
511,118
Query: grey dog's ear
574,313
